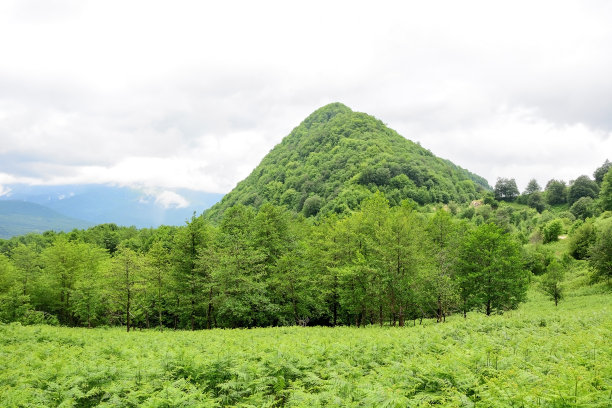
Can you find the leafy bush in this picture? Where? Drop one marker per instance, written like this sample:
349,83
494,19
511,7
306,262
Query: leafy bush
552,230
583,208
581,240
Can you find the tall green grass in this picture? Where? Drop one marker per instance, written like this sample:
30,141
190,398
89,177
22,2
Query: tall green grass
538,355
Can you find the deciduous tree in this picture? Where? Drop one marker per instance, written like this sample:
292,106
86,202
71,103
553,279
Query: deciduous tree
602,171
552,281
605,195
556,192
583,186
490,272
600,254
506,189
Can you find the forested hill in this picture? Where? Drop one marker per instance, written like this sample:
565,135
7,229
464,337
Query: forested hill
337,157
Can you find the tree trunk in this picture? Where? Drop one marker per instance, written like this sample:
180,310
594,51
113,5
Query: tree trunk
192,318
335,310
210,309
129,297
159,306
178,304
127,310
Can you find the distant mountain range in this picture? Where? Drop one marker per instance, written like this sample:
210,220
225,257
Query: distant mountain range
20,218
39,208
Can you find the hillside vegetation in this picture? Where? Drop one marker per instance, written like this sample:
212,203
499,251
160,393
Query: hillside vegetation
337,157
539,355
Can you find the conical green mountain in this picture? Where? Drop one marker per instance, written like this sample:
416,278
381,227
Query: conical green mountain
337,157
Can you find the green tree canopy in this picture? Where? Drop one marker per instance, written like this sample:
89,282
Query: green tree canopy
601,171
552,230
605,195
583,186
551,282
583,208
600,254
582,239
536,200
506,189
532,187
556,192
490,271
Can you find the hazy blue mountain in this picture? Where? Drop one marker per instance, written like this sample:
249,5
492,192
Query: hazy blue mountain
127,206
21,217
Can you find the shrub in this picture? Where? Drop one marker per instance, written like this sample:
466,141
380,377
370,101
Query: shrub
552,230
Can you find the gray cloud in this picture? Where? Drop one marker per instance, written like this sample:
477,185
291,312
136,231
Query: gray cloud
193,95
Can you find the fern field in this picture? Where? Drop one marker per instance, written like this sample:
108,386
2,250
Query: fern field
536,356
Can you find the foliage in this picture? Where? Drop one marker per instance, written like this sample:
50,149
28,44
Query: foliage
605,194
600,254
532,187
537,258
552,230
551,282
601,171
551,357
583,186
312,205
556,192
583,208
491,276
536,200
581,240
506,189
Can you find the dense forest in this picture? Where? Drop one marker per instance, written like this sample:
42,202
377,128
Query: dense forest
269,266
336,157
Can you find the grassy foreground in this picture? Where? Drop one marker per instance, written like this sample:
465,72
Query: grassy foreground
536,356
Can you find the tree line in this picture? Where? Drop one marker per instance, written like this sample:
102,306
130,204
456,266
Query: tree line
585,197
381,264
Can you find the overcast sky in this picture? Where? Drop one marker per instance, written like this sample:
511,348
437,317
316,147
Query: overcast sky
193,94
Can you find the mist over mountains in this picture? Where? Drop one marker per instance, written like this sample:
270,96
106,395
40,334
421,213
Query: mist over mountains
78,206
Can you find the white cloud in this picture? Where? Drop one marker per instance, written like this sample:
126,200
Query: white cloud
522,145
170,199
4,191
193,94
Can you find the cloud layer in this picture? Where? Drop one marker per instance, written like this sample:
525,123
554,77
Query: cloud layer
192,95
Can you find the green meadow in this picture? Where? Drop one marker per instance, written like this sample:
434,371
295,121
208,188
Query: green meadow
538,355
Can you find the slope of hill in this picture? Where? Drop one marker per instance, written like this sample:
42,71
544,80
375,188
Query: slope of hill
336,157
20,218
